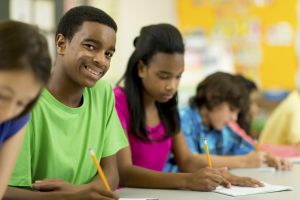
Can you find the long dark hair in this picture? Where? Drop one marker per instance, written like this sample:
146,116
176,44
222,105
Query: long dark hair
23,47
243,118
153,39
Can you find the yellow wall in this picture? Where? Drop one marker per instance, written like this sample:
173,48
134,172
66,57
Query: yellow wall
278,64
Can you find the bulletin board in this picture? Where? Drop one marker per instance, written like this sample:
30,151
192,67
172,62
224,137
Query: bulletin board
261,35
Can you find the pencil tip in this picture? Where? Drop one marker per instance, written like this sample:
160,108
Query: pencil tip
91,151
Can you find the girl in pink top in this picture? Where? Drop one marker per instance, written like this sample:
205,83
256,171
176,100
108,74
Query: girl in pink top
158,144
147,108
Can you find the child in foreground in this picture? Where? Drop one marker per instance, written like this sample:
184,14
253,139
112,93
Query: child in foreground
25,67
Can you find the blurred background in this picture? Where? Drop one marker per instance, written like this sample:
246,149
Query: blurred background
256,38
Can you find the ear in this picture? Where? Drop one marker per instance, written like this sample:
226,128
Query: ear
141,68
61,43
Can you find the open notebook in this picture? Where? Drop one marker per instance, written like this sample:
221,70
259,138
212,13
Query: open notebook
242,191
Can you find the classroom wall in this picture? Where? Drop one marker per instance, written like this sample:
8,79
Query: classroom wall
262,35
131,15
274,65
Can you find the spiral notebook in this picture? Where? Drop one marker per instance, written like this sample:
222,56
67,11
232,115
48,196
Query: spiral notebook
242,191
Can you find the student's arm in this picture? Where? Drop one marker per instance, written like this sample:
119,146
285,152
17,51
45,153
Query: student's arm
185,159
62,189
133,176
81,192
278,162
189,162
110,169
186,147
8,156
250,160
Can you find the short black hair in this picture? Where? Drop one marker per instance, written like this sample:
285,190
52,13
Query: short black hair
73,19
153,39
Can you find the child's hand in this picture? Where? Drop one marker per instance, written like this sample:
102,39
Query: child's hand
278,163
242,181
70,191
206,179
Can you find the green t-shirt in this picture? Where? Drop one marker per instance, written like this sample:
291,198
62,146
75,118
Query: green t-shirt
58,137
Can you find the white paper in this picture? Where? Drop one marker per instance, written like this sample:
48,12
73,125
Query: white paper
138,199
242,191
256,169
263,169
294,159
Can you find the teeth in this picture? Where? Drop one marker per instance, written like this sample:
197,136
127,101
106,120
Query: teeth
92,71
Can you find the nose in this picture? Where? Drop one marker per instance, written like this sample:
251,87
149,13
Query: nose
172,85
99,58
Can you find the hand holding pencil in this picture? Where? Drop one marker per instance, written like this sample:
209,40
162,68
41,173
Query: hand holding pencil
71,191
99,169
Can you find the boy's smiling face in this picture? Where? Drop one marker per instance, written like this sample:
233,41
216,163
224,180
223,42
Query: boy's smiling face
86,58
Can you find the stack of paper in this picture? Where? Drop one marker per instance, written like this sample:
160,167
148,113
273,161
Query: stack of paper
241,191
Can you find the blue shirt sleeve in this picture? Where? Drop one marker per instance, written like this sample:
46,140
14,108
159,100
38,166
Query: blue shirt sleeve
237,145
188,129
11,127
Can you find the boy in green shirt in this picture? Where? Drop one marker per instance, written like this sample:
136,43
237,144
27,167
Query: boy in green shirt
75,112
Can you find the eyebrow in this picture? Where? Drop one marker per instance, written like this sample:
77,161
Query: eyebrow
97,42
8,89
166,72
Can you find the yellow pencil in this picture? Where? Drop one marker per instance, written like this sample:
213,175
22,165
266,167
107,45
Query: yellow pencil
100,171
207,153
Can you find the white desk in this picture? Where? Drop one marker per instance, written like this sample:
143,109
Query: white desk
291,178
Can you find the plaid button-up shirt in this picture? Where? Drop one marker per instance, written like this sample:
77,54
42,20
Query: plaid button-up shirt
224,142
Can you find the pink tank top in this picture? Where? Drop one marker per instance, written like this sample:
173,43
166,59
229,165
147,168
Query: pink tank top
148,154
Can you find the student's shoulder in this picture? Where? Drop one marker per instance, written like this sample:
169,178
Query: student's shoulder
12,126
186,110
119,91
102,86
